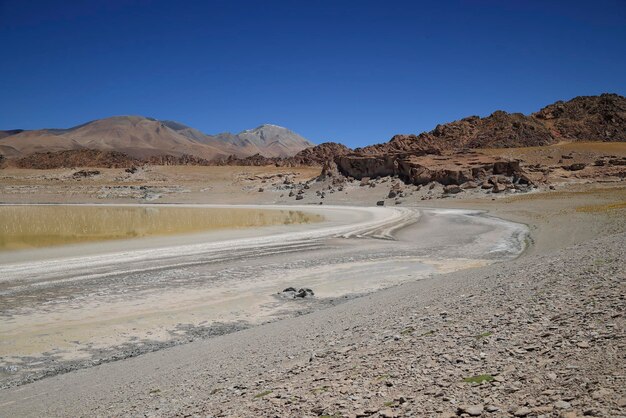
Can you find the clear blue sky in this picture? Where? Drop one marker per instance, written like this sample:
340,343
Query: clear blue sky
356,72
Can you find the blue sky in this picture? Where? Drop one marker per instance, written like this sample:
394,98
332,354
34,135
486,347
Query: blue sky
355,72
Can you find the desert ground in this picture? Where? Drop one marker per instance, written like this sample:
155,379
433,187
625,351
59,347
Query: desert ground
470,304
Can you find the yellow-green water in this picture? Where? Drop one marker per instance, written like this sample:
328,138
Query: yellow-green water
40,225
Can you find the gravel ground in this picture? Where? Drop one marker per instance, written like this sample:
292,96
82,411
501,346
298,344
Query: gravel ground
541,336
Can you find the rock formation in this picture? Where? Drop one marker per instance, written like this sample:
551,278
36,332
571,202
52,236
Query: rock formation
455,169
445,155
76,158
586,118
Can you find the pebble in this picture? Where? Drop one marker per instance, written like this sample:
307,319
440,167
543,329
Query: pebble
562,405
522,412
472,410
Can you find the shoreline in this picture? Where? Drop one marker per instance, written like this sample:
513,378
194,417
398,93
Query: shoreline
360,276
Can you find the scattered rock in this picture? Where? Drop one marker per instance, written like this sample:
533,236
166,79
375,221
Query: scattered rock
522,412
562,405
387,413
471,410
302,293
574,167
452,189
85,173
498,188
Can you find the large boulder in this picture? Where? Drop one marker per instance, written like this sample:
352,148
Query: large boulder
452,189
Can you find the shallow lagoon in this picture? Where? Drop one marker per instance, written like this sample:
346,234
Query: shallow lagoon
32,226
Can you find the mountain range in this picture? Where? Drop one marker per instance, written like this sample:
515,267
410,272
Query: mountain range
142,138
583,118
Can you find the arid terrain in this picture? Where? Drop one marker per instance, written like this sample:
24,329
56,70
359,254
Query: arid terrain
313,209
474,270
538,336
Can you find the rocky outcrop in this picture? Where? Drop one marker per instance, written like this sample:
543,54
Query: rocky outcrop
444,154
362,166
184,159
104,159
319,154
403,144
85,173
313,156
586,118
256,160
77,158
445,169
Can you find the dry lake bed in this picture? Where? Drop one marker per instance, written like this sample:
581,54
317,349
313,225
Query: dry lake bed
194,271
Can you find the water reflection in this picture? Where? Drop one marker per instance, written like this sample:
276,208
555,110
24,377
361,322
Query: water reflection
40,226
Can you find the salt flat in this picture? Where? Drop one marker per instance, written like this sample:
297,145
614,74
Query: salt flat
70,306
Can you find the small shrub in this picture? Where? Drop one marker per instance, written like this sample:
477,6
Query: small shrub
262,394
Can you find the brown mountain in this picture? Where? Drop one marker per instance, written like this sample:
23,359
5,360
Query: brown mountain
143,138
266,140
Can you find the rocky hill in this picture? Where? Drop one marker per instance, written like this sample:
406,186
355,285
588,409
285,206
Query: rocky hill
76,158
585,118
